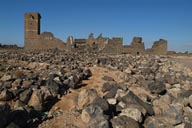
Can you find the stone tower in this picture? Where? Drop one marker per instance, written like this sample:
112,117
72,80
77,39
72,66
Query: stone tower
31,27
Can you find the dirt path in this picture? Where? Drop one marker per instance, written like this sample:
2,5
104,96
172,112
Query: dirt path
69,119
66,104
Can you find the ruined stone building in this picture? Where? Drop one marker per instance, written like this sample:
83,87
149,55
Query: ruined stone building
34,39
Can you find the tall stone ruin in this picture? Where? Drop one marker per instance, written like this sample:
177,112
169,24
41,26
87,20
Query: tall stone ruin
160,47
33,39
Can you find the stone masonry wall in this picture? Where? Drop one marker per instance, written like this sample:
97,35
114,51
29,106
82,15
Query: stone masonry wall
160,47
34,39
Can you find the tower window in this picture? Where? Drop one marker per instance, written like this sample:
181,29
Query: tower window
31,17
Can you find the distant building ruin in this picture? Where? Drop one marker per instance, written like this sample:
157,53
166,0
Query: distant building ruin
35,40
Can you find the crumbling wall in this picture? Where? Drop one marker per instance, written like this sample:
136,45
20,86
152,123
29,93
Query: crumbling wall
137,45
33,39
127,49
71,43
159,47
44,41
113,46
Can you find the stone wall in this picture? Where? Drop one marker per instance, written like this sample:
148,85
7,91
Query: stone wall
34,40
136,47
160,47
44,42
113,46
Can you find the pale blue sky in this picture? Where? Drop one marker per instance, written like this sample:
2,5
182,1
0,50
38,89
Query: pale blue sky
150,19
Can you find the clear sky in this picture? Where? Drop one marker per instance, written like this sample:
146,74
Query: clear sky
150,19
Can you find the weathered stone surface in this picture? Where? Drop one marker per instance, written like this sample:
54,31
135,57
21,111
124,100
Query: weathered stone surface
157,87
107,86
131,98
162,105
160,47
124,122
91,112
173,116
153,122
26,84
73,82
86,97
17,83
36,100
133,113
111,93
101,103
87,73
53,87
112,101
25,96
6,77
99,123
6,95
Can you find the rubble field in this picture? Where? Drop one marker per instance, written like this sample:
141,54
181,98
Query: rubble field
84,89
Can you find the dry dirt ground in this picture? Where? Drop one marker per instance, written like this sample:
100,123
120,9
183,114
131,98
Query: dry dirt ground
185,60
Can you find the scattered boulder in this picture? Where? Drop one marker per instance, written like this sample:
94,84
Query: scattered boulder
36,100
154,122
157,87
99,122
73,82
101,103
6,95
53,87
91,112
25,95
107,86
6,77
133,113
124,122
87,73
86,97
26,84
131,98
111,93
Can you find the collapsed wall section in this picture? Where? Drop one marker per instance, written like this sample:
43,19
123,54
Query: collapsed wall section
33,40
159,47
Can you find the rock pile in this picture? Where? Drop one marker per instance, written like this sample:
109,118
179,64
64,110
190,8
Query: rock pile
163,98
28,90
154,92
